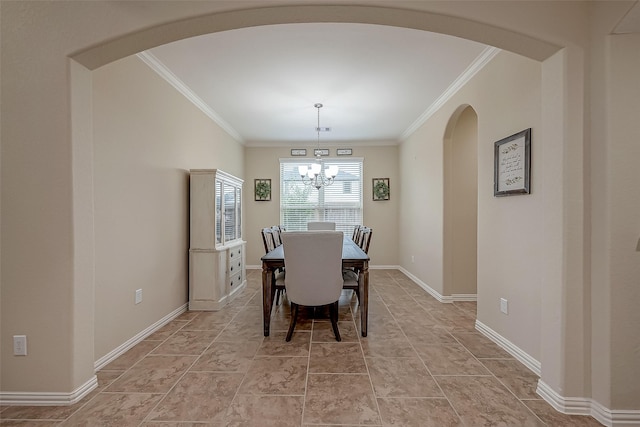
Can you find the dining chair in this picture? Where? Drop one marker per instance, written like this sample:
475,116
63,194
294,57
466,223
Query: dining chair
267,239
269,245
321,225
314,265
277,239
350,276
365,238
356,232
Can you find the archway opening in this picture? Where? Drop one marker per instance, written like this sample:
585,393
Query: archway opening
461,205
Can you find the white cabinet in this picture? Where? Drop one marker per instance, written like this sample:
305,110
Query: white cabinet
216,249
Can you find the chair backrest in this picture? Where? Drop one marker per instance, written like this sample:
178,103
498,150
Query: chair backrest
321,225
365,238
356,233
275,232
267,239
314,266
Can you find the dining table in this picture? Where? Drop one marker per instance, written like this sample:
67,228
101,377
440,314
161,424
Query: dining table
352,257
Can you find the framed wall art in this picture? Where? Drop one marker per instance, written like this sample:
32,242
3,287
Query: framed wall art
321,152
380,189
262,190
298,152
512,165
344,151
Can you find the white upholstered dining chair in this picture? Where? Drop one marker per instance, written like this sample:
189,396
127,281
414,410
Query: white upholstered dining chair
314,272
320,225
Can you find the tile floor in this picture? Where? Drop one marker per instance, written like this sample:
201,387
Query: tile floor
422,364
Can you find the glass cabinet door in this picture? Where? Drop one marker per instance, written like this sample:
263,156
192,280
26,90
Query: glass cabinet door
219,215
238,212
229,213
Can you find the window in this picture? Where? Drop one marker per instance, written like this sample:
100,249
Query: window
340,202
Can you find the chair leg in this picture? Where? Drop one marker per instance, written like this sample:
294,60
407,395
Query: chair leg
278,293
292,324
333,314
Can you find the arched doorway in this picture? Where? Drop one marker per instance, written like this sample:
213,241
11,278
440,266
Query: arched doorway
461,205
119,47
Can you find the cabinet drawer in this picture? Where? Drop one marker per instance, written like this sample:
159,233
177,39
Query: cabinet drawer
235,253
235,280
234,260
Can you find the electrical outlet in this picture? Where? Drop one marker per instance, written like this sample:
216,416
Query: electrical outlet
504,306
19,345
138,296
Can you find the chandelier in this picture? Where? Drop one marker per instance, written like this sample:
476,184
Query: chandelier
315,174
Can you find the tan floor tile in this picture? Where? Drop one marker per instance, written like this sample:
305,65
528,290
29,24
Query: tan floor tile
153,374
336,357
265,411
167,330
275,344
180,424
554,418
373,346
198,396
227,356
520,380
276,375
480,346
418,334
114,409
323,332
240,332
401,377
208,320
450,359
187,342
132,356
340,399
37,413
417,412
28,423
107,377
483,401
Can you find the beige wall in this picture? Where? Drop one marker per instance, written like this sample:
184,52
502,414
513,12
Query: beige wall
146,138
624,219
506,97
379,162
47,164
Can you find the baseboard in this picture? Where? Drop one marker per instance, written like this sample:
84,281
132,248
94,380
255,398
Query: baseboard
48,399
429,289
121,349
587,406
522,356
371,267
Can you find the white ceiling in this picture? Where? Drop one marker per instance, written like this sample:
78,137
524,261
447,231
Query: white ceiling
377,83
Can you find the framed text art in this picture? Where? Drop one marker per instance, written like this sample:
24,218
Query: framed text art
380,189
512,165
262,190
298,152
321,152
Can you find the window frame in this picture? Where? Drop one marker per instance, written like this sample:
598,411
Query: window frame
321,206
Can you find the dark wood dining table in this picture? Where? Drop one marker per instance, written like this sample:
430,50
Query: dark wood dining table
352,257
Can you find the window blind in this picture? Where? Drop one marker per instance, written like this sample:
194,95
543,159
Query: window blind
341,202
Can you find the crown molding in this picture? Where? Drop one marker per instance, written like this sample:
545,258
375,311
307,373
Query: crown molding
478,64
156,65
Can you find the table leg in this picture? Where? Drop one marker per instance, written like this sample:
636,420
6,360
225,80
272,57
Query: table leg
363,288
267,297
